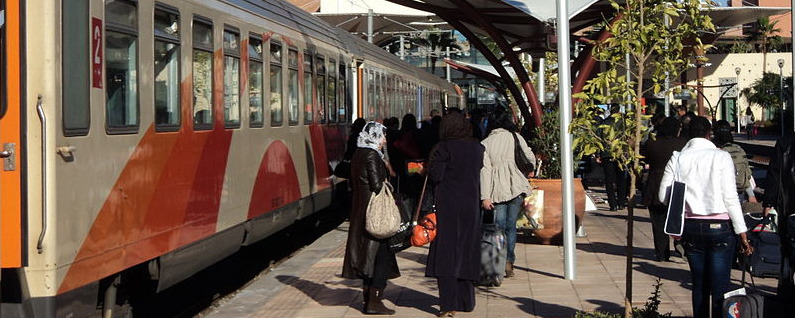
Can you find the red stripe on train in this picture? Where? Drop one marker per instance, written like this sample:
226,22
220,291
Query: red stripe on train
276,183
320,157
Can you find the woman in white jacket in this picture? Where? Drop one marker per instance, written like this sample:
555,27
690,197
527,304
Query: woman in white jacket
502,185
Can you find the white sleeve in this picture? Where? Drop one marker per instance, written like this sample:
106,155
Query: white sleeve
667,179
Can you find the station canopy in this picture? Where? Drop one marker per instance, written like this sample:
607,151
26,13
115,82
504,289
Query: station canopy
526,25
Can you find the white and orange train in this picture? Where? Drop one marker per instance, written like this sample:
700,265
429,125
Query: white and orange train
148,139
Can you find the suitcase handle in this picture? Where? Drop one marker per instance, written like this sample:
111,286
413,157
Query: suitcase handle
744,266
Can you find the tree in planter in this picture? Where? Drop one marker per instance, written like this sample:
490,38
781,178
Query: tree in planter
656,51
545,144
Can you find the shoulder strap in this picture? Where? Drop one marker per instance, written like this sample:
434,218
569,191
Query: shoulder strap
419,202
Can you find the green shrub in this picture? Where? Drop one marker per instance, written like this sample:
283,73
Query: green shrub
649,310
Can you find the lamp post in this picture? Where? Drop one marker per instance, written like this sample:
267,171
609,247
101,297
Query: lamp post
737,102
781,92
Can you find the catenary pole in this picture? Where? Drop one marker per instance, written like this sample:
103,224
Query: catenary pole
566,154
370,25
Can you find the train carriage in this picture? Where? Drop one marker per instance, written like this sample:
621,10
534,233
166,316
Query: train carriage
146,140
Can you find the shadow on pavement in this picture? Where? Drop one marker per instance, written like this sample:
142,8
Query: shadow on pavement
530,270
622,215
320,292
534,307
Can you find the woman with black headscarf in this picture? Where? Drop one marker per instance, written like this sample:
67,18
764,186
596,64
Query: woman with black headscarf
366,257
454,257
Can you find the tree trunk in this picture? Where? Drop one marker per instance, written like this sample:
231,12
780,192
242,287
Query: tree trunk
633,178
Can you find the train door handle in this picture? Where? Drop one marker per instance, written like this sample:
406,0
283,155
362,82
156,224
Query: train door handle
8,156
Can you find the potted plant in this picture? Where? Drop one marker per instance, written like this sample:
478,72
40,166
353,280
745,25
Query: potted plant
547,212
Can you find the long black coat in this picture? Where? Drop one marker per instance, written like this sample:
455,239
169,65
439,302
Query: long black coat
455,168
780,185
657,153
368,173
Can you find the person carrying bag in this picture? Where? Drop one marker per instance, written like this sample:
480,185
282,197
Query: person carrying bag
367,257
454,256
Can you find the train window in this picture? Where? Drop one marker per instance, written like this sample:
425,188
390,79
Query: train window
277,114
379,97
167,77
77,52
308,108
121,66
231,78
202,75
370,102
293,111
255,82
342,96
321,88
332,91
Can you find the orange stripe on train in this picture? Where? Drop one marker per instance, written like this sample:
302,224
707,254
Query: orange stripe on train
167,196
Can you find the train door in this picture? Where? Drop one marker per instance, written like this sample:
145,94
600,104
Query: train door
11,243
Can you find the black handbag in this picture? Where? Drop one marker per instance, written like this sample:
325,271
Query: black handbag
402,239
522,162
343,169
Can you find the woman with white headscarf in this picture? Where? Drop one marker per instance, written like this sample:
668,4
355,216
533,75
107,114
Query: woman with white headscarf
366,257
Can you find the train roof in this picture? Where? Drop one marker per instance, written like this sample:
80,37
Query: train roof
288,15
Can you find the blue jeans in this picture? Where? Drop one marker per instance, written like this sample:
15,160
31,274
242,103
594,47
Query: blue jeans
505,215
710,251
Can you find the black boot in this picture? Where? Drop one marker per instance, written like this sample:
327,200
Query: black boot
373,304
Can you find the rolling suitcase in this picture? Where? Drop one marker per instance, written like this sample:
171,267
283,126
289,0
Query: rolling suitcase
763,234
742,303
493,252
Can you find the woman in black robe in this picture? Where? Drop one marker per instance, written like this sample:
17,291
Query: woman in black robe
367,257
454,257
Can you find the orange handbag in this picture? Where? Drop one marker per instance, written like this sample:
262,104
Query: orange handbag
425,230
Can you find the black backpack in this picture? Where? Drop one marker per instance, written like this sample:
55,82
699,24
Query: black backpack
751,304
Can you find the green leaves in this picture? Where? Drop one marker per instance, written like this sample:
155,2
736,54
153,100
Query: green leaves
656,51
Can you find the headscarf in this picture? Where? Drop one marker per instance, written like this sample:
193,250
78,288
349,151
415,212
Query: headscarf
371,137
454,126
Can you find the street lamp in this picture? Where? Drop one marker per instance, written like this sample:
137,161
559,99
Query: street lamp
781,92
737,102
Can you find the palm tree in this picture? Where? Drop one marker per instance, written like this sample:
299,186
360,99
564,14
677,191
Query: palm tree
764,92
765,35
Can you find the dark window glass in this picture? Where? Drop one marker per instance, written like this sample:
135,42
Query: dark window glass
76,50
277,100
202,75
231,79
121,66
309,116
167,61
255,82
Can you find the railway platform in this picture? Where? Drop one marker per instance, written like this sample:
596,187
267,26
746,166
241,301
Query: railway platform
309,283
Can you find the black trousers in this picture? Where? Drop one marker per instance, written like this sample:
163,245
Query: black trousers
786,285
456,294
662,243
615,183
380,268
